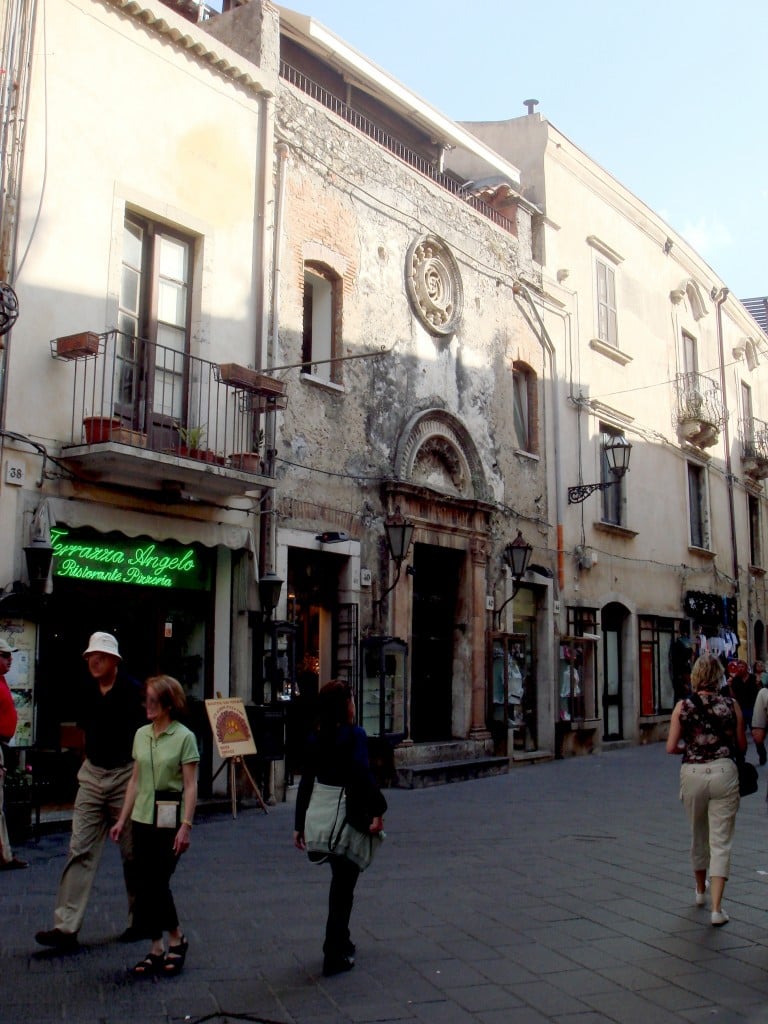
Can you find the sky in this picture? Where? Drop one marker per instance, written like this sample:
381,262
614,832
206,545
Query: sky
669,97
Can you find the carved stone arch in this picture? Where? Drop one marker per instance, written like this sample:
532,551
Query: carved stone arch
436,450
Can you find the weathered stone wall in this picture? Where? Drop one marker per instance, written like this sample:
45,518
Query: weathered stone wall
350,198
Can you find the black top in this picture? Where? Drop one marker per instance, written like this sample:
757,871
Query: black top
110,720
339,760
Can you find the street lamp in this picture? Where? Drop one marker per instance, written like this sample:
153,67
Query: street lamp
399,534
39,555
617,450
516,555
270,586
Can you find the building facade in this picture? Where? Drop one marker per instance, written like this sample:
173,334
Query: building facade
655,352
300,367
136,236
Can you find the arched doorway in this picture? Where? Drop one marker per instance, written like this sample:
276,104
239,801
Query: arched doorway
613,619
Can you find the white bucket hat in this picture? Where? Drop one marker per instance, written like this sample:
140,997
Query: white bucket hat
102,643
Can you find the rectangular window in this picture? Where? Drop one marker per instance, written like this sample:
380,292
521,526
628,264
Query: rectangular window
320,324
614,495
747,420
525,406
690,355
606,303
657,694
755,548
697,506
577,671
154,324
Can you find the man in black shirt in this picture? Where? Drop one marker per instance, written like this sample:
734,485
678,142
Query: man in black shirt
111,711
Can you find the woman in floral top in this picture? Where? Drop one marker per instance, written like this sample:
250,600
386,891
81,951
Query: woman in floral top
709,727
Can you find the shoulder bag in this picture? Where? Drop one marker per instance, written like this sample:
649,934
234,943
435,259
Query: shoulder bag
167,806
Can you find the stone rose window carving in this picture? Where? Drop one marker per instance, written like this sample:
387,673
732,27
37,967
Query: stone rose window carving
433,282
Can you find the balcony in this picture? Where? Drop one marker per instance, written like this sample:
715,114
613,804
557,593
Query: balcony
754,448
152,418
700,410
428,168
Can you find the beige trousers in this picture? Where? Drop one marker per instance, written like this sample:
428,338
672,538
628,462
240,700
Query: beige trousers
710,795
97,805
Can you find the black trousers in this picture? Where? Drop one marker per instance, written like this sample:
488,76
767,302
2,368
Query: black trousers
344,876
154,911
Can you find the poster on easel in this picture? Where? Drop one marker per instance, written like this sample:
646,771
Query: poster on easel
21,636
230,728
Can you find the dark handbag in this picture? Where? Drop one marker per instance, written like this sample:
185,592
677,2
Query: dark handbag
167,808
748,778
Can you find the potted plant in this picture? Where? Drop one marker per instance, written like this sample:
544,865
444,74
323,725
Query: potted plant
100,428
192,443
249,462
77,346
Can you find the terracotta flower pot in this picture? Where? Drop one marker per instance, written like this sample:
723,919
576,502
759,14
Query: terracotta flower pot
100,428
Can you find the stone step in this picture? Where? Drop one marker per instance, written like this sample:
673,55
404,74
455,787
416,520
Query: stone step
437,773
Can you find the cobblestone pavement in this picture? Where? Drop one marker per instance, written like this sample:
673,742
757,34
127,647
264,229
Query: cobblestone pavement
561,892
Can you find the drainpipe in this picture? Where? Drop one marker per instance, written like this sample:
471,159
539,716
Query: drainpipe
269,522
18,38
719,297
518,288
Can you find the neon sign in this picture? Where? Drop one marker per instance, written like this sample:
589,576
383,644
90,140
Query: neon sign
142,563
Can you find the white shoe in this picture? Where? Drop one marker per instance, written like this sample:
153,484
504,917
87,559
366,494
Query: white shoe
701,898
719,917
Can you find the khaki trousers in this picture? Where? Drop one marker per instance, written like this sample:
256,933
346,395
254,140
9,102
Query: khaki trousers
98,803
710,795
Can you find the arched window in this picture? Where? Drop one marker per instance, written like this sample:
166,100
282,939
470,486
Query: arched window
526,399
321,332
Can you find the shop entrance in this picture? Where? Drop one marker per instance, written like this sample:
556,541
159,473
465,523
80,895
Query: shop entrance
159,631
435,593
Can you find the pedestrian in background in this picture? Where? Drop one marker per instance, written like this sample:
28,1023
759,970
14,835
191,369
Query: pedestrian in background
111,710
160,801
8,722
710,726
339,813
760,722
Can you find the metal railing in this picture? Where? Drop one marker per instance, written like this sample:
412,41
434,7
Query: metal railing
136,392
393,145
699,399
754,439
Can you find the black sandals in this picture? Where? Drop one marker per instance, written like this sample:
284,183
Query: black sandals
175,957
150,965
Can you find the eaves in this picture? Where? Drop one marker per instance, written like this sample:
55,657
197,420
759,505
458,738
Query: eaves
195,41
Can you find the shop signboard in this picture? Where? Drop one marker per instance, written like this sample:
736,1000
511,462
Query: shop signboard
21,635
141,561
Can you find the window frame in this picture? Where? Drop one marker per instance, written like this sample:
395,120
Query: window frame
699,528
607,321
525,405
320,354
138,369
754,522
651,628
613,504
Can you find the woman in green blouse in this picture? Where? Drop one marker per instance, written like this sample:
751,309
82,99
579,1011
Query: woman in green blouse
160,801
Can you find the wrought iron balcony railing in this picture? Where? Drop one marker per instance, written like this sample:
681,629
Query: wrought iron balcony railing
135,392
393,145
755,441
700,410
